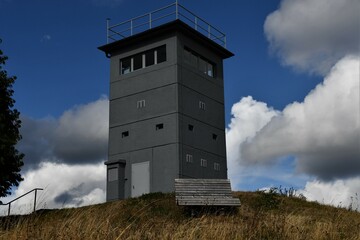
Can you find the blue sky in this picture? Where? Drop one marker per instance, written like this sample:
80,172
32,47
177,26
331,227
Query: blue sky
279,89
52,47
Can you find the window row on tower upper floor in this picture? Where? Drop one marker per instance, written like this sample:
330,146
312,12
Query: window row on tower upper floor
143,59
199,62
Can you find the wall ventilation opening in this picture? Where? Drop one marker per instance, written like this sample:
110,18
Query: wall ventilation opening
159,126
214,136
125,134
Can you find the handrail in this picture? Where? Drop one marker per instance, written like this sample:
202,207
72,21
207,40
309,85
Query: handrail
130,27
9,203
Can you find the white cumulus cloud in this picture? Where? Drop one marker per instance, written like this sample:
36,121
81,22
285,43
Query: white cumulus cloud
323,132
312,35
339,193
64,186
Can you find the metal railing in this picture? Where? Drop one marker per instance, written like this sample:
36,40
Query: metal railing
160,16
9,203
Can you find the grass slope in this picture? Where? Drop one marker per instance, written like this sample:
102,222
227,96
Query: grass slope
156,216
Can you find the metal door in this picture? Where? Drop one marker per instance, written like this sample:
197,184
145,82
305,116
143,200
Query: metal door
140,178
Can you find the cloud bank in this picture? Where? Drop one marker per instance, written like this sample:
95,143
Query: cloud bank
323,132
79,136
319,137
312,35
65,157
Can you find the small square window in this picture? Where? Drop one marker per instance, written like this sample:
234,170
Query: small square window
189,158
113,174
140,103
159,126
214,136
216,166
203,162
191,127
202,105
125,134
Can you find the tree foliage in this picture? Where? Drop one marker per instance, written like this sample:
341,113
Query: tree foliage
10,157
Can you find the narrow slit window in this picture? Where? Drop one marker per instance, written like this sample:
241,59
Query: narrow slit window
140,103
159,126
189,158
216,166
202,105
203,162
125,134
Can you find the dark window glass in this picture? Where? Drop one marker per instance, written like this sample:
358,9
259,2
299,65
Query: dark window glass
210,70
202,65
161,54
191,127
125,65
149,58
137,62
187,56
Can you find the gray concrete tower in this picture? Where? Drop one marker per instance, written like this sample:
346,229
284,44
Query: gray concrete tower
166,108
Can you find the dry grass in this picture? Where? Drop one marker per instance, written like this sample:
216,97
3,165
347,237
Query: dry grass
155,216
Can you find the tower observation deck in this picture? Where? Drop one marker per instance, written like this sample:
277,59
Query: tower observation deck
174,11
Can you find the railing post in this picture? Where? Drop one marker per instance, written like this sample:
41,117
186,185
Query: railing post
9,209
35,200
177,9
196,22
150,20
209,31
107,29
224,41
131,27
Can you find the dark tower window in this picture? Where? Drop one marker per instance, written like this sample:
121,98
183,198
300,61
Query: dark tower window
214,136
159,126
125,134
143,59
149,58
125,65
161,54
138,63
191,127
199,62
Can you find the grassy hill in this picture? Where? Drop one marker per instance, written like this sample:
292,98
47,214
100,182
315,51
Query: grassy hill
156,216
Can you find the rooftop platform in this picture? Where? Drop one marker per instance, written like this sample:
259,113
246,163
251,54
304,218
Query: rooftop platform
160,17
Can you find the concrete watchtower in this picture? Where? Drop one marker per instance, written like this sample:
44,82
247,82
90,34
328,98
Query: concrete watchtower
166,102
